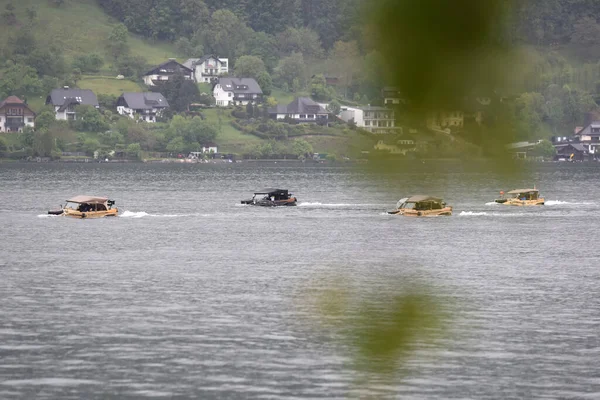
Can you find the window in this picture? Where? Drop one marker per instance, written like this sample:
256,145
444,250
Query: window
302,116
30,119
367,123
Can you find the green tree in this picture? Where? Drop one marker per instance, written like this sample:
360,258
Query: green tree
301,40
131,66
249,110
302,148
43,144
544,149
3,144
31,13
290,68
179,92
264,46
225,34
345,63
89,119
90,145
118,41
334,107
44,120
249,67
318,88
8,15
265,82
176,145
88,62
19,80
586,32
134,149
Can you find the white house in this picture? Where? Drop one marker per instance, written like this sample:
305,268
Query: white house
301,109
208,68
161,73
236,91
142,106
209,148
589,137
64,101
15,115
372,119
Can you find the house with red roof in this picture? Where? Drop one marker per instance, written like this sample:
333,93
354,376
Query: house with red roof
15,115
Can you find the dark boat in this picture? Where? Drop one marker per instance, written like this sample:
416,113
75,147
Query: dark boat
271,198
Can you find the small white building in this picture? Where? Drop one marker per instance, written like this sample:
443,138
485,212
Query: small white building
144,106
372,119
66,99
301,109
163,72
208,68
209,148
236,91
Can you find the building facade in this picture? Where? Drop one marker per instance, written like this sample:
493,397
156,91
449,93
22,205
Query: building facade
589,137
146,106
378,120
163,72
208,68
15,115
236,91
446,119
302,110
66,99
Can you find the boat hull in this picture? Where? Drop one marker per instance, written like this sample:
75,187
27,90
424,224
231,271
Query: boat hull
271,203
522,203
445,212
90,214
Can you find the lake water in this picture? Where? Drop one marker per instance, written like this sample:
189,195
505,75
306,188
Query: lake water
189,294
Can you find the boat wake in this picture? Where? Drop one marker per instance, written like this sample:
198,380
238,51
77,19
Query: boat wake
560,202
491,203
134,214
319,205
472,213
143,214
48,216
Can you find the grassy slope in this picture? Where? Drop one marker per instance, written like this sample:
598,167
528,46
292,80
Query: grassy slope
108,85
80,27
229,139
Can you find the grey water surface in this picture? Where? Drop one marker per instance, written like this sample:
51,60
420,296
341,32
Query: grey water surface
189,294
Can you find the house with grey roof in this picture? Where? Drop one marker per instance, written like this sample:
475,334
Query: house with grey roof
208,68
301,109
572,152
589,137
236,91
163,72
66,99
146,106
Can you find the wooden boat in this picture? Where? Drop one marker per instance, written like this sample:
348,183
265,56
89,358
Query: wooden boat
87,207
422,206
271,198
521,197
